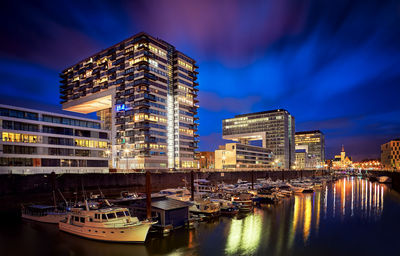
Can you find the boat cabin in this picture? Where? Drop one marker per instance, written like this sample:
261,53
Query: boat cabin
79,216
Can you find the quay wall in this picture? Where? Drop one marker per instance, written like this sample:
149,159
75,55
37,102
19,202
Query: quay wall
18,189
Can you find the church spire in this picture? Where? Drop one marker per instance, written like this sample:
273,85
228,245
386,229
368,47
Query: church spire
342,148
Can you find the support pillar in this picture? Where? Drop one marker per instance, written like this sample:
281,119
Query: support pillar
148,195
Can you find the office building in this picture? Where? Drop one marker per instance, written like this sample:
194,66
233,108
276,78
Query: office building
314,144
34,141
206,159
276,130
390,155
243,156
146,92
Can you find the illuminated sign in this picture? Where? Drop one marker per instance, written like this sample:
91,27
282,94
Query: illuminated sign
121,107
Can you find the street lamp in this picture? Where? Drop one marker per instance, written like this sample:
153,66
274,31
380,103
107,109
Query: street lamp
276,163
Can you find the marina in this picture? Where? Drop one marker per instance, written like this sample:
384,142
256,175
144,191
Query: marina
352,212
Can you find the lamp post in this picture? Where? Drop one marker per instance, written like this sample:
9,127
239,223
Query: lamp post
108,157
277,163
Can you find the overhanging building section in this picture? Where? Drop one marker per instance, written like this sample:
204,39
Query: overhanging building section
275,128
146,91
91,103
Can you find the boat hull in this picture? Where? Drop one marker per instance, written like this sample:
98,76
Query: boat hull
229,211
384,179
50,218
265,200
131,234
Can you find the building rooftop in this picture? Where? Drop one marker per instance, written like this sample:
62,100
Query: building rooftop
170,204
262,112
29,106
308,132
121,42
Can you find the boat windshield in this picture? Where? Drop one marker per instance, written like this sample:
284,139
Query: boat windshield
127,213
120,214
111,215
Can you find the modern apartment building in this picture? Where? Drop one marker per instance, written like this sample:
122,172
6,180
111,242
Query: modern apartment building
390,155
314,144
275,128
243,156
34,141
146,92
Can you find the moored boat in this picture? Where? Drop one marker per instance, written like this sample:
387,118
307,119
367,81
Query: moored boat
111,224
43,213
227,208
244,202
266,196
384,179
205,207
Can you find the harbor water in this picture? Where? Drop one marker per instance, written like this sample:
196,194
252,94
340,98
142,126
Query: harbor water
351,216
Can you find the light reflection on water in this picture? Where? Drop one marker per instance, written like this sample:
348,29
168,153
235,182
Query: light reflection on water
363,199
349,212
244,235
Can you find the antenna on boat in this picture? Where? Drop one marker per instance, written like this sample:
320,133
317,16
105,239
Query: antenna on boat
66,203
86,205
101,192
107,202
83,191
53,184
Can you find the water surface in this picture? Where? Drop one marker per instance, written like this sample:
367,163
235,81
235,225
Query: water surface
349,217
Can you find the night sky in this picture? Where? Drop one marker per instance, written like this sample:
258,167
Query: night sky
334,65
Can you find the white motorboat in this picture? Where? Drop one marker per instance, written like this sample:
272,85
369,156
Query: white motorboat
226,207
43,213
297,189
205,207
384,179
204,186
181,194
112,224
244,202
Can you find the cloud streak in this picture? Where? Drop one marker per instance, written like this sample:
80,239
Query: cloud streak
332,64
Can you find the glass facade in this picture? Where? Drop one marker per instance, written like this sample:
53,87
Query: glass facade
41,142
314,144
235,155
154,101
274,128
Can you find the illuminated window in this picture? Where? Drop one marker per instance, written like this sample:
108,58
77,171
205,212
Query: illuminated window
18,137
90,143
184,64
153,63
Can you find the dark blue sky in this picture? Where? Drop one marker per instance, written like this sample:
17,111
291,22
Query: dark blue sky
334,65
